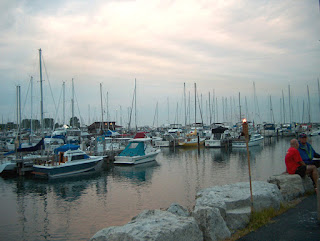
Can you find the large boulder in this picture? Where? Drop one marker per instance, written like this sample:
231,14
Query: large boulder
211,223
234,203
291,186
153,225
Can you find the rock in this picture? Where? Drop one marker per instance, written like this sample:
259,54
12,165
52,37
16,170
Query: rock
177,209
238,218
307,184
211,223
234,202
290,185
153,225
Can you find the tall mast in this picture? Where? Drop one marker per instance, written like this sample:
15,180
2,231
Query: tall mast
309,105
72,103
102,124
31,83
168,109
240,107
64,101
108,118
290,112
213,106
210,116
283,108
195,103
135,103
18,114
319,92
189,109
41,94
185,104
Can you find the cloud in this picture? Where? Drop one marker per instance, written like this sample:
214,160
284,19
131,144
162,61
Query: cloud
217,44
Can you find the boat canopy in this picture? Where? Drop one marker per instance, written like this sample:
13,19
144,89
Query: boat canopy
133,149
65,148
219,129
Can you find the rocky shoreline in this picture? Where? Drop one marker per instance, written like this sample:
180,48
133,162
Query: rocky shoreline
218,212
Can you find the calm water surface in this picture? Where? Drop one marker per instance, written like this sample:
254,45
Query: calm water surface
76,208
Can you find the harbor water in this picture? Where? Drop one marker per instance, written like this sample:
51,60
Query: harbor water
76,208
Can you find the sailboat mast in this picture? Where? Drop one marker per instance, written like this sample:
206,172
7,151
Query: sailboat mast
283,108
64,101
18,114
31,129
290,112
102,124
309,105
319,92
195,103
240,107
210,116
41,93
135,103
72,103
185,104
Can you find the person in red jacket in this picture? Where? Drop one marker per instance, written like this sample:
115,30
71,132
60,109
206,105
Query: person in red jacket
295,165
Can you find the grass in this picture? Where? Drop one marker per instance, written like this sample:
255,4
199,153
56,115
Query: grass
261,218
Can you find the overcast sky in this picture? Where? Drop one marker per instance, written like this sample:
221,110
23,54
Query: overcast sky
222,46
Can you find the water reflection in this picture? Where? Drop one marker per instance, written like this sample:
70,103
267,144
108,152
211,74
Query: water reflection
75,208
136,173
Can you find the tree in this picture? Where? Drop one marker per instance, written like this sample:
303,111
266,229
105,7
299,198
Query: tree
76,122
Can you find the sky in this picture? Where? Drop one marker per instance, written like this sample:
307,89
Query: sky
171,50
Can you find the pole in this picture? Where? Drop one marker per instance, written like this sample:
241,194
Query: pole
41,93
246,134
64,101
102,124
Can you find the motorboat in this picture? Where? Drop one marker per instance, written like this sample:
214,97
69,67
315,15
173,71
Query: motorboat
254,140
137,151
67,160
220,137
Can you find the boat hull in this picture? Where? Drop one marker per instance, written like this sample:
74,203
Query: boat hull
192,143
212,143
68,169
242,144
132,160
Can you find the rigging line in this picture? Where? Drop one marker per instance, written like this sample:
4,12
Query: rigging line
49,82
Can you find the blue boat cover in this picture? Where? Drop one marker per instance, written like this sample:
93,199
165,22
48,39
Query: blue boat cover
66,147
37,147
133,149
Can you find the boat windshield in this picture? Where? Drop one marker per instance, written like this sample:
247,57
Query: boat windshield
133,145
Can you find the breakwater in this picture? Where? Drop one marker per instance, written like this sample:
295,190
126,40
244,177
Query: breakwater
219,211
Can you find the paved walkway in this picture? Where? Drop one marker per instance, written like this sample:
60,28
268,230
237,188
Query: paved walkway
298,223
